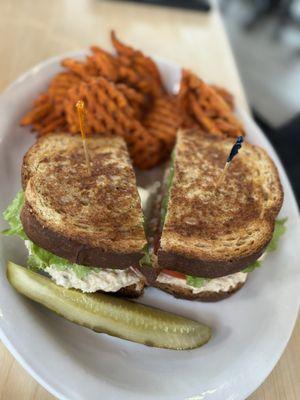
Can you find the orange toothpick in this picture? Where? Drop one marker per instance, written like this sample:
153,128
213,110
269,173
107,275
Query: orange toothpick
81,112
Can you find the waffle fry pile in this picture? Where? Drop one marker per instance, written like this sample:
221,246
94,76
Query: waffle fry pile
124,95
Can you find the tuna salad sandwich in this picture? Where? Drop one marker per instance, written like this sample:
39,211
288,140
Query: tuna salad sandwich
211,237
85,231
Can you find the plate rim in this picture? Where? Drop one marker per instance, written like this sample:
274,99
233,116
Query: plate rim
244,116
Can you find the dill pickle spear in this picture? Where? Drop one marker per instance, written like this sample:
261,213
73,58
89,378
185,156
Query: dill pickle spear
111,315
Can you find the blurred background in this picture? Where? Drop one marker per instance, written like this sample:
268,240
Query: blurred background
265,39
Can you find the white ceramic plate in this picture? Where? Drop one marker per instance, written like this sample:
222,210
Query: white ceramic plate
250,329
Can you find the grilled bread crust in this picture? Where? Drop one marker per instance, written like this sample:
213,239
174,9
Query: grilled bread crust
183,293
212,233
132,291
94,220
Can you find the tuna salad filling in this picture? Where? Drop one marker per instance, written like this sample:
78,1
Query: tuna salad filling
62,271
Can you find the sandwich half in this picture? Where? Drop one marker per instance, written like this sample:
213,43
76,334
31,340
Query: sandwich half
86,231
210,238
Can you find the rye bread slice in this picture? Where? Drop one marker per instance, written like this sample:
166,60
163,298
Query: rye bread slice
94,220
212,233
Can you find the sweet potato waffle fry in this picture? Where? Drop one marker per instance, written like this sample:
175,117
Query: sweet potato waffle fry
42,106
105,63
143,148
137,100
136,69
45,117
226,96
163,121
144,65
108,110
124,95
59,87
209,109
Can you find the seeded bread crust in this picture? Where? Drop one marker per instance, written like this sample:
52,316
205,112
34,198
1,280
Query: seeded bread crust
212,233
182,293
94,220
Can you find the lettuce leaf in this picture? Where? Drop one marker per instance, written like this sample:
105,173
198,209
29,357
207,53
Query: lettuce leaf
279,230
169,183
253,266
195,281
146,259
38,258
12,216
41,259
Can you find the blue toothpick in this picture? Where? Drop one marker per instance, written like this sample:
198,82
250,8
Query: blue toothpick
234,151
235,148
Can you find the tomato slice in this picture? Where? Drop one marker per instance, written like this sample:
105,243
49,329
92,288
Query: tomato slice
176,274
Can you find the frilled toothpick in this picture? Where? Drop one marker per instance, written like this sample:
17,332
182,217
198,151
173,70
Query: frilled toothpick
234,151
81,113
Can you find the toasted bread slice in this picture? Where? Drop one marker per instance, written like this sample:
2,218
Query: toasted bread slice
208,293
94,220
212,233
